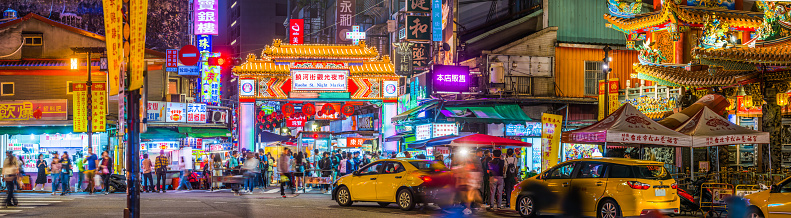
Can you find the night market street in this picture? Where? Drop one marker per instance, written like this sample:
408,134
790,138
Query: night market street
200,203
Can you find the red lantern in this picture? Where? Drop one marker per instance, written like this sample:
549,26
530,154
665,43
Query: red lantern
328,109
288,109
347,109
309,109
261,117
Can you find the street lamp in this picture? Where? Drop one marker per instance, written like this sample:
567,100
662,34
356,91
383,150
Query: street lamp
74,63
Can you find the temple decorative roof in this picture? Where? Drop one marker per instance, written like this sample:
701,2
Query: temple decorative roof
690,76
775,55
684,15
280,50
278,59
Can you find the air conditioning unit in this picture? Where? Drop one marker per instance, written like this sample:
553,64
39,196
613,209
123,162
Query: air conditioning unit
496,73
219,116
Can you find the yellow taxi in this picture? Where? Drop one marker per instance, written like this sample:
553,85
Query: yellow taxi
602,187
401,181
775,202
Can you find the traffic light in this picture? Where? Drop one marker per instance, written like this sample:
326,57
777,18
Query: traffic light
219,61
224,61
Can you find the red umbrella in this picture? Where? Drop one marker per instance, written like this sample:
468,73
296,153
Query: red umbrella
475,140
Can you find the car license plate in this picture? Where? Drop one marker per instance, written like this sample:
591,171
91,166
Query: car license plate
659,192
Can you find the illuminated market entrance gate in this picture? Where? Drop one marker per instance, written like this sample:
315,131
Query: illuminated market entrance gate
333,96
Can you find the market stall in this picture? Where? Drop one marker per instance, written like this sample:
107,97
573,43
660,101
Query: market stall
627,125
707,128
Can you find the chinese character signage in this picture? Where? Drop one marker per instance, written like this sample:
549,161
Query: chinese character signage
365,122
113,41
390,89
156,111
80,103
196,113
319,80
611,91
418,28
344,17
298,121
443,129
419,6
403,58
171,60
138,14
449,78
99,107
354,142
204,43
602,92
527,129
247,87
176,112
423,132
211,86
329,111
420,53
550,139
205,12
436,20
55,109
295,35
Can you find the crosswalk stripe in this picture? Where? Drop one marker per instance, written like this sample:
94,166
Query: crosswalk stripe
9,211
40,201
272,191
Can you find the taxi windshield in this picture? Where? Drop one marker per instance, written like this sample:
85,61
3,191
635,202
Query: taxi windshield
428,165
657,172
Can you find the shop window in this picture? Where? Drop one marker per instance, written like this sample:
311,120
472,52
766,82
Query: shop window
7,89
33,40
69,89
173,86
593,73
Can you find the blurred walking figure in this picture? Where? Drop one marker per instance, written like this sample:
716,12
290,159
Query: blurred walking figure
496,180
468,182
55,172
250,168
511,173
90,170
106,170
185,172
10,175
65,174
216,167
283,165
325,164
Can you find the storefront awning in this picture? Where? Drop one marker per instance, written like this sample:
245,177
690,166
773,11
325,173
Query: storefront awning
205,132
162,133
398,137
37,130
488,114
418,109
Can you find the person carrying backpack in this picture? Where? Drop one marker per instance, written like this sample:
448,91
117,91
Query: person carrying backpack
511,173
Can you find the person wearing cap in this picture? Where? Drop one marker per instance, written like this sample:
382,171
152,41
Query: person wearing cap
161,168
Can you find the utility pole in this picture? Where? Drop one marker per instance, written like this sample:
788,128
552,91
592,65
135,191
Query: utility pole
606,70
133,127
89,112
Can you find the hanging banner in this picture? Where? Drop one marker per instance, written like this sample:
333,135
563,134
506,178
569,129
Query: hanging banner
205,12
137,42
113,23
612,91
418,6
602,92
436,20
295,31
550,139
99,107
80,109
418,28
344,16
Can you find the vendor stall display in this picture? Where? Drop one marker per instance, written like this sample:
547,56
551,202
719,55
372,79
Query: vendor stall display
627,125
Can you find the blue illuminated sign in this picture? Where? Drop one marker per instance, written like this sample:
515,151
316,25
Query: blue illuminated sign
204,43
436,20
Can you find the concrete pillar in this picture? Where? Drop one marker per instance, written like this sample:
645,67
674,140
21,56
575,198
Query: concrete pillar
247,125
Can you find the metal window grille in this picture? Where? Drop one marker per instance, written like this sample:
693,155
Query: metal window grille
593,73
520,85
